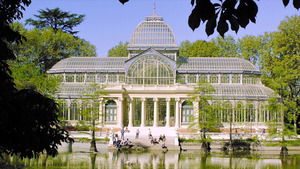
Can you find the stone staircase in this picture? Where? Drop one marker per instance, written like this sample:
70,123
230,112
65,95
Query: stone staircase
143,139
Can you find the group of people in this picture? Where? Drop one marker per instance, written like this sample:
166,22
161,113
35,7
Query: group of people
162,138
121,142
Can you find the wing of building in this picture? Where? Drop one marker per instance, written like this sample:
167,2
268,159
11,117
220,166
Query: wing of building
151,87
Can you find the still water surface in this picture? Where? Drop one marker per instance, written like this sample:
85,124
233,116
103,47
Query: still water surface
169,160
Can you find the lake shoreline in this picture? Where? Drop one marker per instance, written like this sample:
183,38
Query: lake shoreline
216,148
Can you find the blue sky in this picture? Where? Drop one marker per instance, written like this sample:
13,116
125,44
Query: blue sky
108,22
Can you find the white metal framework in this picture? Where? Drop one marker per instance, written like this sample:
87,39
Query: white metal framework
150,70
151,87
153,32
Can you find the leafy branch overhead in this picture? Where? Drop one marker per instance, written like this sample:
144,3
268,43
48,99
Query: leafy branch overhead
222,14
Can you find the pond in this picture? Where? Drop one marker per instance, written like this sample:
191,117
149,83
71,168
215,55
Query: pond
169,160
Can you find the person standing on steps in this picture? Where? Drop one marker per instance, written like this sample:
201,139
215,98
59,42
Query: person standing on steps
137,133
122,133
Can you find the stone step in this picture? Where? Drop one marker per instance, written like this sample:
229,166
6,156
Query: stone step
155,131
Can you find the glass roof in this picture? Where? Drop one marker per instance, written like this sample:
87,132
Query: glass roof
153,32
223,91
242,91
184,65
215,65
89,64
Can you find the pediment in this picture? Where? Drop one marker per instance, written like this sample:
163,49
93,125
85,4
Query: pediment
151,53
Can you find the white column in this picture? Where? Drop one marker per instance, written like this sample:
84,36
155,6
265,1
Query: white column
155,119
256,111
130,113
196,110
168,112
69,109
241,79
177,113
233,111
143,113
120,112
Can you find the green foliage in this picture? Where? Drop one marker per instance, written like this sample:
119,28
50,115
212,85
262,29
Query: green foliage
280,63
205,119
198,48
250,47
35,128
57,20
91,111
28,76
46,47
219,47
253,139
7,162
119,50
287,143
82,126
29,124
91,103
227,47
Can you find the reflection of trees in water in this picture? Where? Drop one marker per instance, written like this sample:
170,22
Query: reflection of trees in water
159,160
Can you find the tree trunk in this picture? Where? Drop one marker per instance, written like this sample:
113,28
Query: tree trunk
70,147
205,144
284,150
93,147
93,160
230,132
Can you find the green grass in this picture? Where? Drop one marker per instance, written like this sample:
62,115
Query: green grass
89,140
288,143
190,140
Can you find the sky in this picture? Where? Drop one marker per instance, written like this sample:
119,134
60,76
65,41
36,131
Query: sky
108,22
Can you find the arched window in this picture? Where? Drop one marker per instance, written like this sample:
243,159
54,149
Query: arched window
150,70
217,110
63,109
187,112
250,113
110,111
239,112
227,112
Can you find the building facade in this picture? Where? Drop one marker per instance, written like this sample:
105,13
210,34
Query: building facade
151,87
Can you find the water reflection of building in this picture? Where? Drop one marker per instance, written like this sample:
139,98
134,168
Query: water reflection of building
158,160
150,87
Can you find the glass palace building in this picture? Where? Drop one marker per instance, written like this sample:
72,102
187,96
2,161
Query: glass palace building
150,87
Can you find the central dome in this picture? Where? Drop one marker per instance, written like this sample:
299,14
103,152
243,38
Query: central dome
153,32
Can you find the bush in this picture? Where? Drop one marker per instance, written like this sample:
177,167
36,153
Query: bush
237,145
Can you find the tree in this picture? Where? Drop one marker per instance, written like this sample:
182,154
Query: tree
250,47
227,46
280,63
198,48
28,122
57,20
217,14
205,119
119,50
91,112
28,76
32,126
46,47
